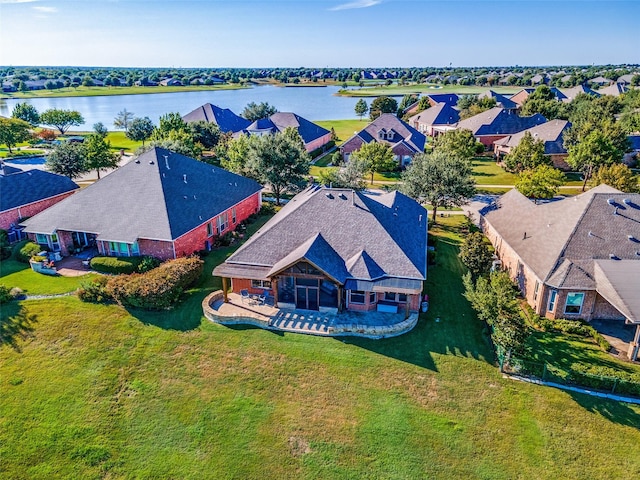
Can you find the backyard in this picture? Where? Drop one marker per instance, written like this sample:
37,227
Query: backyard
96,391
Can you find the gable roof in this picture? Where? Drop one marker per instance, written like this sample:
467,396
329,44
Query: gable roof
498,120
450,99
403,133
161,195
549,132
346,234
223,117
615,89
24,187
440,114
501,100
573,92
309,131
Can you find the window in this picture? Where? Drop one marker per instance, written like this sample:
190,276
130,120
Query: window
389,135
135,248
233,215
42,239
260,283
356,296
574,303
223,222
395,297
209,229
552,300
372,297
535,291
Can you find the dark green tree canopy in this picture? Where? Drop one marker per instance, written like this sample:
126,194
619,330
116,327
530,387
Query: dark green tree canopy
529,153
61,119
26,112
140,129
382,105
68,159
476,255
617,175
255,111
540,182
14,131
361,108
98,154
458,143
374,157
205,133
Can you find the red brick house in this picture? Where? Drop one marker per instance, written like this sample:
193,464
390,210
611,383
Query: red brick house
24,194
336,249
162,204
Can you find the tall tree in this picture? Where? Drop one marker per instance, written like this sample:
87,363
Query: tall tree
440,179
100,129
458,143
233,154
26,112
255,111
382,105
361,108
617,175
206,134
408,100
279,160
544,101
67,159
529,153
61,119
475,254
123,119
374,157
13,131
140,129
540,182
98,154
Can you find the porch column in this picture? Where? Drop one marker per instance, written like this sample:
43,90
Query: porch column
407,306
634,346
339,298
274,285
224,290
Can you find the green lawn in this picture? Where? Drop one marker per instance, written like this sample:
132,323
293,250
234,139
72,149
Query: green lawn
487,172
120,142
96,391
108,91
423,89
344,128
17,274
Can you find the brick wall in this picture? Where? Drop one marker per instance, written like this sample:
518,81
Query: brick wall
487,140
156,248
560,161
238,284
318,142
16,214
351,146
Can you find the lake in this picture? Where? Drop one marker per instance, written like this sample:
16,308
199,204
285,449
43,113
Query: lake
312,103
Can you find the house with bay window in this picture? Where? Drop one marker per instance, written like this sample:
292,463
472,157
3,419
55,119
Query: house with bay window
330,250
162,204
576,258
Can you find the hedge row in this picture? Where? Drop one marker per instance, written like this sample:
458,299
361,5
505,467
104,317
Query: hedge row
159,288
116,265
605,378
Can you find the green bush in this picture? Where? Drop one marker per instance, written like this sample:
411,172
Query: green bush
94,290
5,294
148,263
116,265
605,378
5,249
156,289
24,250
267,208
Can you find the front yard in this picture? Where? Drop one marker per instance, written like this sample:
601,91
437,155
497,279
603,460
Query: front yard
96,391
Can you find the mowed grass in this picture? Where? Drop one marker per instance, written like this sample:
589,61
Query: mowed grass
100,392
82,91
18,274
344,128
425,89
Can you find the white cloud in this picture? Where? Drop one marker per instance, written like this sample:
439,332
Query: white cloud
45,9
356,4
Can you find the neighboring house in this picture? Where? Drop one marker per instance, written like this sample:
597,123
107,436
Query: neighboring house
497,123
27,193
170,82
538,79
600,81
501,100
440,114
161,204
404,140
337,249
631,158
450,99
577,258
314,136
615,89
571,93
551,133
520,97
626,79
226,120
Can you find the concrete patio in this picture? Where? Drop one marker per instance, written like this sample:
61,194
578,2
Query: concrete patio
239,311
618,334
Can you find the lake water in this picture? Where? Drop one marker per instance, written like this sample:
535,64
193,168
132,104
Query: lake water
312,103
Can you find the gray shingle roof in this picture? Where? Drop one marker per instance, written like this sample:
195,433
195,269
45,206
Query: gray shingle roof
223,117
618,281
439,114
309,131
496,121
346,234
403,132
501,100
551,133
20,188
161,195
450,99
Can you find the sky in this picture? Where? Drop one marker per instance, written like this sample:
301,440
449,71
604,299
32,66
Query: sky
318,33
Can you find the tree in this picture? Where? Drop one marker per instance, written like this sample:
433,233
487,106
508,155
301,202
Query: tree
458,143
361,108
140,129
206,134
617,175
179,141
374,157
440,179
255,111
382,105
13,131
233,154
98,154
544,101
61,119
169,122
26,112
529,153
123,119
279,160
67,159
100,129
475,254
470,105
407,100
540,182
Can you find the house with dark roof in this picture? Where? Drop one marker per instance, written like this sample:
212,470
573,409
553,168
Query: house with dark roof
615,89
576,258
497,123
502,101
27,193
337,249
551,133
520,97
450,99
438,115
404,140
226,120
161,204
573,92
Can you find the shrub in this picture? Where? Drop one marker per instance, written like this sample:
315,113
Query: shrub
148,263
267,208
156,289
5,249
116,265
605,378
5,294
24,250
94,290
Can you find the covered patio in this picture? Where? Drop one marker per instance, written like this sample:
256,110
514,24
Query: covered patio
241,311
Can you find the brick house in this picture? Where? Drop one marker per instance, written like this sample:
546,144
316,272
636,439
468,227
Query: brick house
162,204
441,114
576,258
404,140
336,249
26,193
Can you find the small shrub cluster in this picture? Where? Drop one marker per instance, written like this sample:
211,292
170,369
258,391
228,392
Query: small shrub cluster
5,249
95,290
156,289
148,263
605,378
320,150
24,250
7,294
116,265
267,208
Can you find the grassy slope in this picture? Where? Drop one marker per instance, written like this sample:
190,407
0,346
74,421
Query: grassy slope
97,391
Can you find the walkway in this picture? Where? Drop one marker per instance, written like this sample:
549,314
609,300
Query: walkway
362,324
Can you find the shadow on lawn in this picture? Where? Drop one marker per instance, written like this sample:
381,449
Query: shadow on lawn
613,411
15,324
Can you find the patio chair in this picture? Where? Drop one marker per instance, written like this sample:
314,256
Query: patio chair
245,295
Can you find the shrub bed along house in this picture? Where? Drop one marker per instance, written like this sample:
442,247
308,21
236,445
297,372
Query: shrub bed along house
117,265
156,289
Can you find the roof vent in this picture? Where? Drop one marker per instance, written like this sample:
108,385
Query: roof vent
615,211
591,234
137,160
151,162
613,256
627,201
343,196
611,201
166,161
184,177
185,197
329,195
633,239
